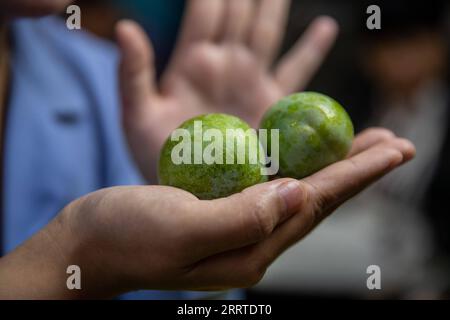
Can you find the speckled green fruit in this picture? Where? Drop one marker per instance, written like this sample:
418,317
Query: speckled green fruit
315,131
211,181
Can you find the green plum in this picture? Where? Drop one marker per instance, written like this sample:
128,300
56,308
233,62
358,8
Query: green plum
186,160
315,131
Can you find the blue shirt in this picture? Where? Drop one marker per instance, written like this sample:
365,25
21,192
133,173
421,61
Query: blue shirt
63,134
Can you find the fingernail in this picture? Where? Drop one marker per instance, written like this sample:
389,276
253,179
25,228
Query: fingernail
291,194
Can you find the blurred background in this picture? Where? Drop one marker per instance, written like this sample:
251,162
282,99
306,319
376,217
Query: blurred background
396,77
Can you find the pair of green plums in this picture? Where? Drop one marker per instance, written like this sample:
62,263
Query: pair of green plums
313,131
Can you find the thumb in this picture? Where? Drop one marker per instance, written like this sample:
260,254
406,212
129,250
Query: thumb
245,218
137,71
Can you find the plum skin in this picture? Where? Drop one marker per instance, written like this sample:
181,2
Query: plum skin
315,132
213,181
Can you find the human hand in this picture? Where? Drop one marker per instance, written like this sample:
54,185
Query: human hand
222,63
152,237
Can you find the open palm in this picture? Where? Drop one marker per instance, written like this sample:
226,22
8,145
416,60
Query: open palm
223,62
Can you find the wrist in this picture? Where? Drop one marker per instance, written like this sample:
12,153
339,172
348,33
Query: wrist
37,268
81,234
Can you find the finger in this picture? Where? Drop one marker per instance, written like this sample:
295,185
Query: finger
202,22
243,218
242,268
239,14
300,64
268,31
337,183
369,138
329,189
137,70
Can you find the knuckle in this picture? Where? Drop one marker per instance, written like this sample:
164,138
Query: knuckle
253,274
262,221
404,143
257,262
382,133
243,58
203,57
270,31
319,201
394,155
270,36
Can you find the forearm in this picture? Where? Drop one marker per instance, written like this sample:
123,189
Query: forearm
37,269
